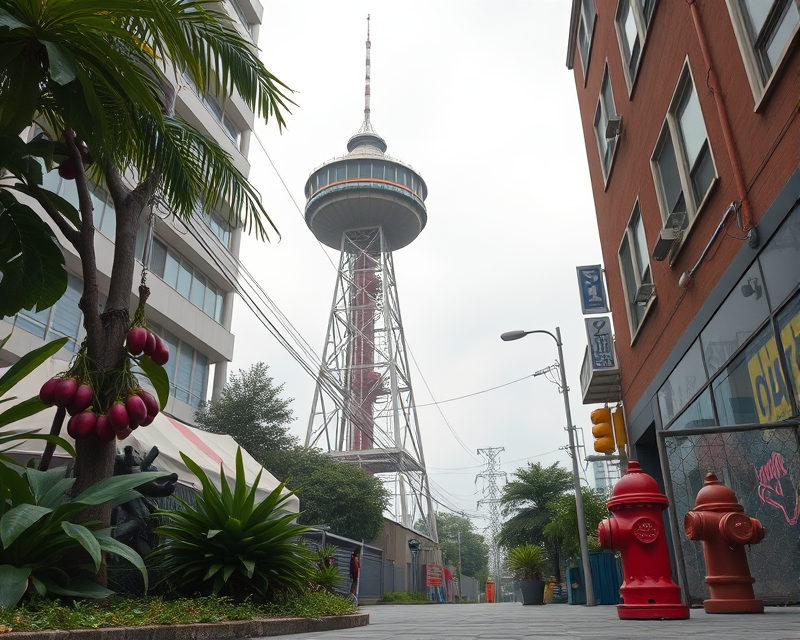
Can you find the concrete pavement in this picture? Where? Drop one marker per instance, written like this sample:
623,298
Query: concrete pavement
512,621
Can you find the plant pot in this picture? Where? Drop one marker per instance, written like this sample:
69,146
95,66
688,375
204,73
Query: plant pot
532,591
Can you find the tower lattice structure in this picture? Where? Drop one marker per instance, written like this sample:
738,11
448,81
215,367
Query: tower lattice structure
491,500
368,205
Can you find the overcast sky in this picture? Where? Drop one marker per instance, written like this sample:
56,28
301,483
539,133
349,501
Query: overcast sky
476,96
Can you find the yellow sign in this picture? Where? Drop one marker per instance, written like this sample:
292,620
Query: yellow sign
769,386
790,337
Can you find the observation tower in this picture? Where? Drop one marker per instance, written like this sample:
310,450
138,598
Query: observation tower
368,205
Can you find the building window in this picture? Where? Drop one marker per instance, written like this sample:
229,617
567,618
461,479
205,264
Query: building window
634,264
683,168
219,227
605,111
242,17
104,215
182,276
586,31
633,19
765,29
187,369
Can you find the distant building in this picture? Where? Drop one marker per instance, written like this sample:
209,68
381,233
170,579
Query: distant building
606,474
690,116
191,302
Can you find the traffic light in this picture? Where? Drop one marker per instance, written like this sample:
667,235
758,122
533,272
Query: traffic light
603,431
620,433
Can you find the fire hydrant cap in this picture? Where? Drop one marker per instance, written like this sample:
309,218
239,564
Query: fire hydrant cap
715,496
636,487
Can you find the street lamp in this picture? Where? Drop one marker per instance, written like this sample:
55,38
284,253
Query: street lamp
587,570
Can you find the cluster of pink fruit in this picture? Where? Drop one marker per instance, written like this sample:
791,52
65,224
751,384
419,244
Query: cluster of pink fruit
139,409
140,340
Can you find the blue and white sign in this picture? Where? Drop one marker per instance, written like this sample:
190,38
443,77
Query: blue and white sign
593,293
601,343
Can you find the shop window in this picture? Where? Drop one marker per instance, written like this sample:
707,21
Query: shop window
781,251
752,389
698,414
743,311
683,384
789,330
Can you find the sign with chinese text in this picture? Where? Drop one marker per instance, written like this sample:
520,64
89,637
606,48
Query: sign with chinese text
601,343
593,293
434,575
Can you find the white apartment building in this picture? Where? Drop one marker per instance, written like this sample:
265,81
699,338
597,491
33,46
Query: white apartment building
191,300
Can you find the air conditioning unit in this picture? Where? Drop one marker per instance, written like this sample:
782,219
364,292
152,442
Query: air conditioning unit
643,294
666,238
613,127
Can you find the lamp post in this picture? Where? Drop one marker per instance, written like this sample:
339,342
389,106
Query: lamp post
460,600
587,570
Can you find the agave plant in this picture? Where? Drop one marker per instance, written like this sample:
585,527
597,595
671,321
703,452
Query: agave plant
229,544
25,365
38,536
526,561
326,574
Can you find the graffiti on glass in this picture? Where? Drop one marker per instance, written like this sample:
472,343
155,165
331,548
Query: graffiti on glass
777,488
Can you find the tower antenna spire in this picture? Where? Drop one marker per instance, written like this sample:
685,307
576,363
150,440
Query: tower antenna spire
367,125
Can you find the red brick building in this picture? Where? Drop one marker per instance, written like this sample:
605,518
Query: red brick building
690,115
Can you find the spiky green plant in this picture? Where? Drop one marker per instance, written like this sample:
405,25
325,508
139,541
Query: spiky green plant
526,561
231,545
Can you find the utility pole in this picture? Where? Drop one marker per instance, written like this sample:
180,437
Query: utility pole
459,567
491,499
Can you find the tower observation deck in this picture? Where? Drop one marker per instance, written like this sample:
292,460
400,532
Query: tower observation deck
368,205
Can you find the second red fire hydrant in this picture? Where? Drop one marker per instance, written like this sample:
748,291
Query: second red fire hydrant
719,521
637,531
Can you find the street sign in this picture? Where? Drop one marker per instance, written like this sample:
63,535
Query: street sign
601,343
593,293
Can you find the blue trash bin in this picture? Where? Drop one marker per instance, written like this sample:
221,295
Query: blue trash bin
606,579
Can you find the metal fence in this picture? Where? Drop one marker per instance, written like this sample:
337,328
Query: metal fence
762,466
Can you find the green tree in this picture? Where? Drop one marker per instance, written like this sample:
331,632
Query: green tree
529,499
93,74
251,410
564,525
474,549
347,499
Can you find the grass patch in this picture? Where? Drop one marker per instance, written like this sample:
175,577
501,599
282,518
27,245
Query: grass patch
404,596
124,611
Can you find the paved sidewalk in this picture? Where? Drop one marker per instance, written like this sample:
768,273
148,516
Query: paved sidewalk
512,621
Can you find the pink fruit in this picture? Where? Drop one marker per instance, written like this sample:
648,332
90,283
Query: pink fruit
104,430
121,435
67,169
147,421
81,400
136,339
150,403
65,392
137,411
151,344
161,354
118,416
82,425
46,392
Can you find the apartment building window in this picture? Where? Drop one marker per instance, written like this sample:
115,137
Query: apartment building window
683,168
605,111
634,263
182,276
242,17
586,31
633,19
187,369
765,30
105,217
219,228
230,127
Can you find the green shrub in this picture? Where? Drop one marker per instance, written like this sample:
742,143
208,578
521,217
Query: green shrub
526,561
404,596
229,544
38,535
325,575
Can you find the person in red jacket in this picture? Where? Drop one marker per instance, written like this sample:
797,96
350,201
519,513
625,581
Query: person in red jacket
355,570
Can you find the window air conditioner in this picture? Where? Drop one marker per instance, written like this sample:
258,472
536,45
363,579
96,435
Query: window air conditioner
672,231
643,294
613,127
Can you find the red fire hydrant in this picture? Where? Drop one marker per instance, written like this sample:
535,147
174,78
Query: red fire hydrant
637,531
719,521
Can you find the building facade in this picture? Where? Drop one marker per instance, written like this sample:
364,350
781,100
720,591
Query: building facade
190,267
690,117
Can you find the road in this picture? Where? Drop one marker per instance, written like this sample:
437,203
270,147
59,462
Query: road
512,621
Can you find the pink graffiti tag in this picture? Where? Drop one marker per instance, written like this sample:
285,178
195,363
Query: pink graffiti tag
773,479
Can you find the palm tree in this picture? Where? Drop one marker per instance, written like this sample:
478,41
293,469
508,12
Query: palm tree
530,500
97,76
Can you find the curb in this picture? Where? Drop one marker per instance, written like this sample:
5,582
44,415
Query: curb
203,631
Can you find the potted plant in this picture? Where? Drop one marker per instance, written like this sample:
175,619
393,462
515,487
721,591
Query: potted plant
526,562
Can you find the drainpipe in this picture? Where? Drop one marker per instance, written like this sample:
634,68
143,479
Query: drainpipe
713,83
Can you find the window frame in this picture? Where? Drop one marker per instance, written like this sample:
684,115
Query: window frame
586,6
759,86
642,26
671,127
629,236
601,111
